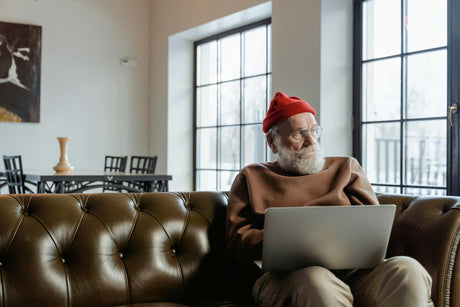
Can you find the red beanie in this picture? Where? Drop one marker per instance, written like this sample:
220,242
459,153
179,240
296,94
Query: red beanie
282,107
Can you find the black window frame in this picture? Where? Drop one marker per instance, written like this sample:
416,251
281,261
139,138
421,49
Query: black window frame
265,22
453,89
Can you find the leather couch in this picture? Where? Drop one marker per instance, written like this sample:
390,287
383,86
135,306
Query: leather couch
167,249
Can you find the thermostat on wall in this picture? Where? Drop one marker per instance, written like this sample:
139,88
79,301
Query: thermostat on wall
129,62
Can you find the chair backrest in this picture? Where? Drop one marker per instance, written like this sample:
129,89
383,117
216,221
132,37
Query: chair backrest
14,174
143,164
115,163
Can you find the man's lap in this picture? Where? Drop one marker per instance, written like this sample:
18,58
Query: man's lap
397,279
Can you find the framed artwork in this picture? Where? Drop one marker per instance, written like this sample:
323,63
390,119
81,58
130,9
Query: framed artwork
20,65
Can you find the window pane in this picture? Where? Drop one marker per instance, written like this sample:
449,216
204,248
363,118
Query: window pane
426,84
383,189
206,180
230,103
230,148
206,148
226,180
268,93
206,106
418,191
382,90
426,24
254,144
207,63
381,28
426,153
270,155
254,99
381,146
230,57
255,56
269,37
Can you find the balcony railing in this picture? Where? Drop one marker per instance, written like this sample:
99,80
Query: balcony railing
424,167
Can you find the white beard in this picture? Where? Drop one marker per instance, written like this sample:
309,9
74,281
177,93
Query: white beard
307,161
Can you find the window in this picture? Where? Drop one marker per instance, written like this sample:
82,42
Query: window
232,90
405,89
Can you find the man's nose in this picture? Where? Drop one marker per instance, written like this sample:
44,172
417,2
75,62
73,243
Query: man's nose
309,140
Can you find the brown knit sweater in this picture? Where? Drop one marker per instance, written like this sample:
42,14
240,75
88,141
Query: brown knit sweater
260,186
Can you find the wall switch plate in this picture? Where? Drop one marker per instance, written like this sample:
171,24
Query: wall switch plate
129,62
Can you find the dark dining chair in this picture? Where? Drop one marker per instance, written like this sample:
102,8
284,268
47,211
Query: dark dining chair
114,164
2,183
141,165
14,175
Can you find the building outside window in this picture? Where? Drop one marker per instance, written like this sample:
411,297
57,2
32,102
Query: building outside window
232,92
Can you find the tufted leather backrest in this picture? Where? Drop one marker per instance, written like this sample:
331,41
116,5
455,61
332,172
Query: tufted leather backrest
428,228
112,249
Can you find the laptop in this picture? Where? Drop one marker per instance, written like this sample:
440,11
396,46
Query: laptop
335,237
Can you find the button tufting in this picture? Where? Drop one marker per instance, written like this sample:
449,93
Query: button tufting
25,213
121,255
62,260
173,252
84,209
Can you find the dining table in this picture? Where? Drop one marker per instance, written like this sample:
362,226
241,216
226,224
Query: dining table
78,181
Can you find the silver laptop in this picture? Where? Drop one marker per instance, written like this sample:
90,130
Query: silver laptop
335,237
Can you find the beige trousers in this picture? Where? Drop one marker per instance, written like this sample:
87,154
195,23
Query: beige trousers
398,281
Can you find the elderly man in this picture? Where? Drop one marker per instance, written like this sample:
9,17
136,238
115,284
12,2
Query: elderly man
303,177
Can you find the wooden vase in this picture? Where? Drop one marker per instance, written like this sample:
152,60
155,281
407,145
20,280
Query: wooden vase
63,166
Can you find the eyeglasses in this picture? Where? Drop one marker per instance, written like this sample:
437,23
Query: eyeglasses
301,134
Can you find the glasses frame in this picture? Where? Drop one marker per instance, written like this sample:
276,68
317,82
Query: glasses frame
301,134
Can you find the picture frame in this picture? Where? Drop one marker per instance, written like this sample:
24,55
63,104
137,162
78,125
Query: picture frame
20,68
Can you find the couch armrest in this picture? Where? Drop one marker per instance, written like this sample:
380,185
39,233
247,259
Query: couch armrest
427,228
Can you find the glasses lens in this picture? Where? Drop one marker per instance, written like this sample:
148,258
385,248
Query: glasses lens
300,135
318,131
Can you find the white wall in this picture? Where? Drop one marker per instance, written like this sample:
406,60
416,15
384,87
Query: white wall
311,47
336,77
296,48
312,59
85,93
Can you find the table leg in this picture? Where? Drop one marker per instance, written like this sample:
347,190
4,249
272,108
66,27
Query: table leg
146,186
59,187
151,186
41,187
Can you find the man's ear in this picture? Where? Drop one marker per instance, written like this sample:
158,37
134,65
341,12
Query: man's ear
271,143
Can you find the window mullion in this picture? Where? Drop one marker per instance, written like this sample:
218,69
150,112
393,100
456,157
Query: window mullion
453,96
242,57
403,99
218,119
357,80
